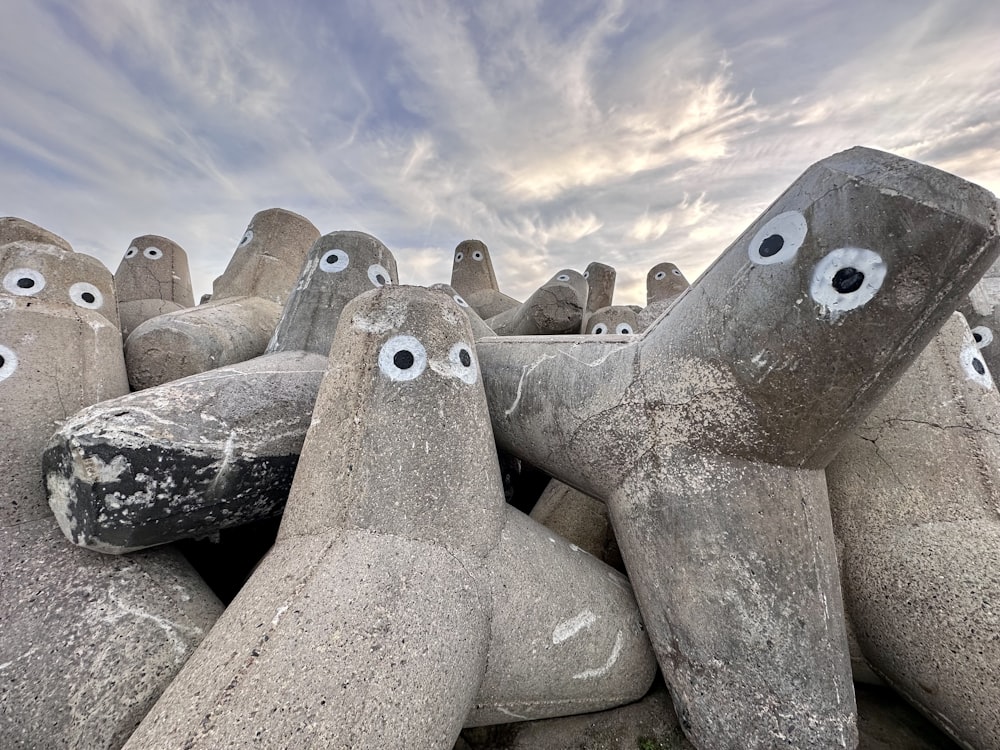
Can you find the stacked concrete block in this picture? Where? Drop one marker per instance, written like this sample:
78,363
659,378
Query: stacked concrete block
915,494
87,643
394,605
472,276
708,435
558,306
152,279
619,320
238,322
600,287
221,447
664,285
14,229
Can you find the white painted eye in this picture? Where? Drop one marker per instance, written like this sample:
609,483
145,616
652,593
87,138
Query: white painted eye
458,256
153,253
402,358
461,302
378,275
464,365
599,328
847,278
8,362
24,282
477,255
562,277
86,295
983,336
247,236
623,328
660,275
334,261
779,239
975,366
586,274
675,272
132,252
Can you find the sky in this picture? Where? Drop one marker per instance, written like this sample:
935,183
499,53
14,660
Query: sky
558,133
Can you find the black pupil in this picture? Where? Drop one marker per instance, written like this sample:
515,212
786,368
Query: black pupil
848,280
380,279
978,367
464,357
771,245
978,337
331,259
25,283
403,359
88,298
1,360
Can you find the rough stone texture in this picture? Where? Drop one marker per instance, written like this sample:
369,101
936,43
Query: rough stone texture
580,519
479,328
556,307
13,229
915,495
240,320
664,284
617,319
369,622
472,276
152,279
600,286
340,266
87,643
707,435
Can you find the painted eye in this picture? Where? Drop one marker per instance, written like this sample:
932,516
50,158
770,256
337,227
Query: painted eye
660,275
334,261
983,336
477,255
132,252
975,367
599,328
24,282
562,277
402,358
459,256
464,365
779,239
86,295
623,328
247,236
847,278
675,272
378,275
153,253
8,362
461,302
586,274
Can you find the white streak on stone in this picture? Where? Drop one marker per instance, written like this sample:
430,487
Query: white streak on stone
525,372
503,710
568,628
616,651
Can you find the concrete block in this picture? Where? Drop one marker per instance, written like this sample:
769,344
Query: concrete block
619,320
472,276
13,229
556,307
580,519
664,284
600,286
708,435
152,279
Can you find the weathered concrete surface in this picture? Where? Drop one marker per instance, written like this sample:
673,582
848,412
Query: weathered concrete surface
664,285
87,643
14,229
600,286
556,307
616,319
915,495
707,435
385,549
982,311
152,279
245,309
479,328
580,519
472,276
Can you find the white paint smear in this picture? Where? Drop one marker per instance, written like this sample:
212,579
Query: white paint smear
616,651
567,629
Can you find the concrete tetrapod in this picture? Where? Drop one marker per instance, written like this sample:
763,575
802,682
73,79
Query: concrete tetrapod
664,285
620,319
14,229
372,620
472,276
982,311
600,287
217,449
914,493
152,279
556,307
87,643
708,434
238,322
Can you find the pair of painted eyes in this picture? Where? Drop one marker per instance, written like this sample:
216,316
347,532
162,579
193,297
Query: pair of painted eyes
623,328
403,358
153,253
476,255
844,279
661,275
335,261
27,282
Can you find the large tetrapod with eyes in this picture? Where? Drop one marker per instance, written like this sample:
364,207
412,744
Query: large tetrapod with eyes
403,598
708,435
